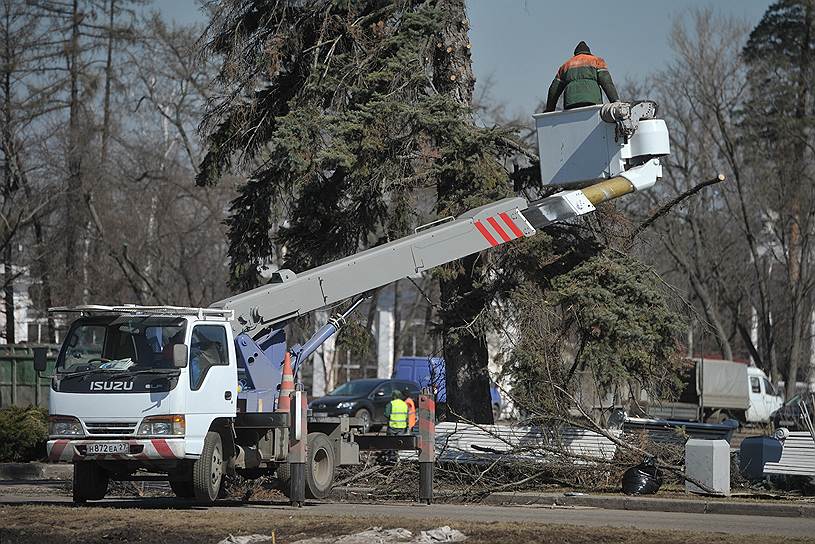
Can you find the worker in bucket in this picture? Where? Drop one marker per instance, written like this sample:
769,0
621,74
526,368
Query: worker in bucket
397,413
580,80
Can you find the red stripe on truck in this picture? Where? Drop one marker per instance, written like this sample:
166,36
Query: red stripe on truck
57,449
498,229
485,233
511,224
162,448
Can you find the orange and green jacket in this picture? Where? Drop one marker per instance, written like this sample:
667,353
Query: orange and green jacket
580,80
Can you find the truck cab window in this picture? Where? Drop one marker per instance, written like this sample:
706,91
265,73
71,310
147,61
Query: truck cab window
755,385
768,387
208,348
84,345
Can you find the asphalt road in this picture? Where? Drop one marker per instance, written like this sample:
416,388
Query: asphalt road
579,516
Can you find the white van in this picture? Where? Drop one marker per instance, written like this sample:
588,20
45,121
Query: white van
725,389
764,398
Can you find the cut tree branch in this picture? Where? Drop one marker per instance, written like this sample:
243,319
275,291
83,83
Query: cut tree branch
667,207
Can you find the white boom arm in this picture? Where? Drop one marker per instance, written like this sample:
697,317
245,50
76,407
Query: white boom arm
292,295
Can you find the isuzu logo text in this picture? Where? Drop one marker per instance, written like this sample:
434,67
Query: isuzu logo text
111,386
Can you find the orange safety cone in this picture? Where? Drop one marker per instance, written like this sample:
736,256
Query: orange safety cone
286,386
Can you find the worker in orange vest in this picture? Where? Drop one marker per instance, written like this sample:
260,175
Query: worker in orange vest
411,411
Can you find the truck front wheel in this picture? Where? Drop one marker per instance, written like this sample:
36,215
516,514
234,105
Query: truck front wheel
320,467
90,482
208,471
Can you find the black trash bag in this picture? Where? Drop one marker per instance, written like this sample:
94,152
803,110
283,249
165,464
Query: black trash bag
643,479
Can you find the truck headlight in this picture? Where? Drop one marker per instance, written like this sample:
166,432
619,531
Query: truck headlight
345,405
64,426
172,425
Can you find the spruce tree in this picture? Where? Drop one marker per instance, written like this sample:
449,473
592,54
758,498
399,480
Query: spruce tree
343,113
778,127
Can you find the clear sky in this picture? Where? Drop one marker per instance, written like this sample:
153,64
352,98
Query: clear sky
519,44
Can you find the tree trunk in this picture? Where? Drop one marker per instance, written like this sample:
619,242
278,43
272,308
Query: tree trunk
796,257
397,323
373,302
8,294
46,300
464,348
712,316
811,366
73,200
9,184
108,78
703,296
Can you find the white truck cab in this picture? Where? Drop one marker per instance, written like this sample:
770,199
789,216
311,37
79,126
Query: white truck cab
764,398
141,385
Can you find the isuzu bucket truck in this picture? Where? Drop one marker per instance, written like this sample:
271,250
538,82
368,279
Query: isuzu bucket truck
189,394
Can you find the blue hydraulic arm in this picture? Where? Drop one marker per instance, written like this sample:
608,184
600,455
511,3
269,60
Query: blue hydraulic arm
301,353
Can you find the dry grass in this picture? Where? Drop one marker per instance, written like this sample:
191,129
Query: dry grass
37,524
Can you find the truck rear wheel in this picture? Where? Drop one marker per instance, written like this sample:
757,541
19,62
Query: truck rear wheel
208,471
90,482
320,467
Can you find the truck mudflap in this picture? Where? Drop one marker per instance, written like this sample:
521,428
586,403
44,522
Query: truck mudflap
68,450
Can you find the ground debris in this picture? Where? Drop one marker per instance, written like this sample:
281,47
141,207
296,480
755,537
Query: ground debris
442,534
246,539
378,535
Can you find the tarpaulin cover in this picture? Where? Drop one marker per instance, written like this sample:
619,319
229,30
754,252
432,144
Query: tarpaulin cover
723,383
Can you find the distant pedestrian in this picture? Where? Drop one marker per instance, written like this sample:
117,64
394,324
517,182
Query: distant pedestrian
580,81
396,413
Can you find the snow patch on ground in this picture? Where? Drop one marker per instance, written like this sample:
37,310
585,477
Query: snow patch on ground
374,535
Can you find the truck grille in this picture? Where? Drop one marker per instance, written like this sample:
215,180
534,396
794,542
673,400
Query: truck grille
111,427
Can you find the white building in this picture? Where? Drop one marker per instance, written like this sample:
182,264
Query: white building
28,326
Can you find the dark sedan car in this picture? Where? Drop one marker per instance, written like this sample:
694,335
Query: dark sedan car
792,414
364,399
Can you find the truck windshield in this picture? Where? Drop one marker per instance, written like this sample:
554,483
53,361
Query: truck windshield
123,343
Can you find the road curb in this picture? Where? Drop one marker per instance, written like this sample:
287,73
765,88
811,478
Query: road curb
34,471
690,506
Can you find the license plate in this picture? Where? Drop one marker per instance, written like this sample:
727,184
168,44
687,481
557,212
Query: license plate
107,448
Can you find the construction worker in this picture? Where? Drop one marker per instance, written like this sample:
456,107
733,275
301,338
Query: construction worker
580,81
397,413
411,411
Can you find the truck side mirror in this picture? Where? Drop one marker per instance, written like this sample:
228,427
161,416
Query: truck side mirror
40,359
179,355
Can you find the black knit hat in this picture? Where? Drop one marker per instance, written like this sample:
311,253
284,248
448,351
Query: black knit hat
582,48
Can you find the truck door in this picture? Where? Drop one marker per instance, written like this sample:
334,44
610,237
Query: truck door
772,399
212,371
756,409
